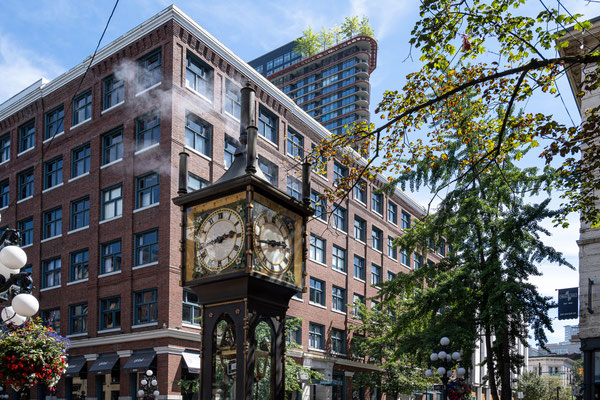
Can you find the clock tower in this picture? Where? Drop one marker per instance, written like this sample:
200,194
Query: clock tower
244,253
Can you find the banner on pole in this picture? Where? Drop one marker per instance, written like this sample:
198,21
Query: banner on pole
568,303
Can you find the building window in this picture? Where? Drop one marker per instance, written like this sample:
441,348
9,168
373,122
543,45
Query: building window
195,183
359,268
79,265
338,258
145,307
110,313
114,92
51,273
146,190
51,318
54,122
404,257
80,213
27,136
52,223
294,188
191,308
338,299
112,146
392,213
295,335
392,251
377,203
376,275
338,341
295,144
53,175
360,229
78,318
198,134
418,261
357,299
317,291
149,70
339,171
377,239
198,76
25,226
25,179
316,336
146,247
360,191
269,169
442,248
319,204
4,148
80,160
110,257
391,276
229,151
147,130
317,249
405,220
340,218
112,202
267,125
4,193
233,99
82,107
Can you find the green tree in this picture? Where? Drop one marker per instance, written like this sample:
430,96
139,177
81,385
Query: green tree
395,375
350,27
308,44
364,28
533,386
336,34
325,39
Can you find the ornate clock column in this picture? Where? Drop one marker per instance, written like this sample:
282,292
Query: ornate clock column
244,256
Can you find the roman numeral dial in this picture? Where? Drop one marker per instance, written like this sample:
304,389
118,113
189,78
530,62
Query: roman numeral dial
273,244
219,239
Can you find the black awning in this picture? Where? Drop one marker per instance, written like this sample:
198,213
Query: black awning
105,363
192,361
139,361
75,365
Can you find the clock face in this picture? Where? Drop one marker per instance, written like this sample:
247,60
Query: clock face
219,239
273,241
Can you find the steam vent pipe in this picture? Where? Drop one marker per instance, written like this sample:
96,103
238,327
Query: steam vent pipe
248,124
183,172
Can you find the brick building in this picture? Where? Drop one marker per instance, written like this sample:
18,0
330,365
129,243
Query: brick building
88,168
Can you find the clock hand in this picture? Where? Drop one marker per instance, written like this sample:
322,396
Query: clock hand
273,243
219,239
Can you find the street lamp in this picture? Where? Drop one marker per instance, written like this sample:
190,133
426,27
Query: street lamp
148,386
14,284
443,362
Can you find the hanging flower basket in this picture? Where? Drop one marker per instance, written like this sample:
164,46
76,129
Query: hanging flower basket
31,354
459,390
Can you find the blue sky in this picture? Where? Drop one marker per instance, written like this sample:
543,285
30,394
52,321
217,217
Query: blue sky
44,38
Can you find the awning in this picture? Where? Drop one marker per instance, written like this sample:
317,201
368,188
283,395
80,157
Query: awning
139,361
105,363
192,360
75,365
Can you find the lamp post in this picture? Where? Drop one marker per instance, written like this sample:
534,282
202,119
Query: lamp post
14,284
148,386
444,362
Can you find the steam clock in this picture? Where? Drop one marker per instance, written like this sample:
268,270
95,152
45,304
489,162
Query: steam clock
244,256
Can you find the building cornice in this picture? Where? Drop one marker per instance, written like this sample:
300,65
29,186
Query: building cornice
136,337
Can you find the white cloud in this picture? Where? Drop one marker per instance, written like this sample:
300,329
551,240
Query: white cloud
384,15
20,67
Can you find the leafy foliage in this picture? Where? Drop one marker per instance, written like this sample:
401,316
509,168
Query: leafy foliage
310,43
486,49
31,354
295,372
